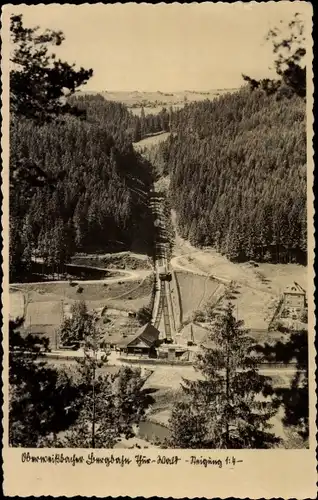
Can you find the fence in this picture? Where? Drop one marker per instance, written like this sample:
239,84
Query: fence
154,361
277,313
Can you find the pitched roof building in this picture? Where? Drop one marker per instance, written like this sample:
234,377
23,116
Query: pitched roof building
144,342
295,296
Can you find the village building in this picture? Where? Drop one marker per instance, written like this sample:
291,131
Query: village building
144,343
294,297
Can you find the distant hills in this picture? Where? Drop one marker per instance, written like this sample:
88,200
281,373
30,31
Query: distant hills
136,98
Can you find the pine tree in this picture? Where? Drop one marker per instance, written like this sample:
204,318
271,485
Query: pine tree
39,394
295,398
289,48
38,81
111,404
16,248
95,426
78,326
40,86
227,402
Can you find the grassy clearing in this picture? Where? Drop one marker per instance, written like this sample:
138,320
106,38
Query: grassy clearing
96,292
17,301
258,288
282,275
46,303
49,332
195,291
255,307
44,313
116,329
165,376
151,141
199,334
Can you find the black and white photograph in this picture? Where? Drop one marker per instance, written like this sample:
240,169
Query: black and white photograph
160,238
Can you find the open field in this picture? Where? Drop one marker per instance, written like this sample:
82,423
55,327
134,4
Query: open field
185,335
258,288
135,99
17,304
96,292
275,276
118,328
282,275
44,313
165,376
195,291
49,332
255,307
46,303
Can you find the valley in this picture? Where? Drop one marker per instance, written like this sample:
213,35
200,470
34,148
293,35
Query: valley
158,250
167,231
176,282
200,277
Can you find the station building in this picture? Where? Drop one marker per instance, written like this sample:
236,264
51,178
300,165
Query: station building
144,343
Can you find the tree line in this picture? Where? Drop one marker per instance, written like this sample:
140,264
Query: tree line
238,164
237,168
99,196
238,175
134,127
76,183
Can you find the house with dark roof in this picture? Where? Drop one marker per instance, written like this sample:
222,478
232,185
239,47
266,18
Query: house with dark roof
143,343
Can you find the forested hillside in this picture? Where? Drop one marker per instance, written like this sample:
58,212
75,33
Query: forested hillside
122,120
99,199
238,175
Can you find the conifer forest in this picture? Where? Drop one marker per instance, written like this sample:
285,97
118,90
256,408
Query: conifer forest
159,264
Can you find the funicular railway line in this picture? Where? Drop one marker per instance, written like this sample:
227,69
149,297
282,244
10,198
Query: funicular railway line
162,314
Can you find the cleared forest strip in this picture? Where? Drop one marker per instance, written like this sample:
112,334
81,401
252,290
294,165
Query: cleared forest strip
132,290
194,289
179,299
176,301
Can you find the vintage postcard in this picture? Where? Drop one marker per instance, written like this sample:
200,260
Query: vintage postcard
158,228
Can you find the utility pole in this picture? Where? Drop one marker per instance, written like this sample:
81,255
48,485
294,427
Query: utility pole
94,404
95,347
227,386
192,336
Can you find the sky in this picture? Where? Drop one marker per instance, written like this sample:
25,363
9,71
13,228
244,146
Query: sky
167,47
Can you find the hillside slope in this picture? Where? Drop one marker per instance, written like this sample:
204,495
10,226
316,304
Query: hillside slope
98,200
238,175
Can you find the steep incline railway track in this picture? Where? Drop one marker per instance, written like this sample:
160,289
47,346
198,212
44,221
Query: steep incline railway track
163,309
